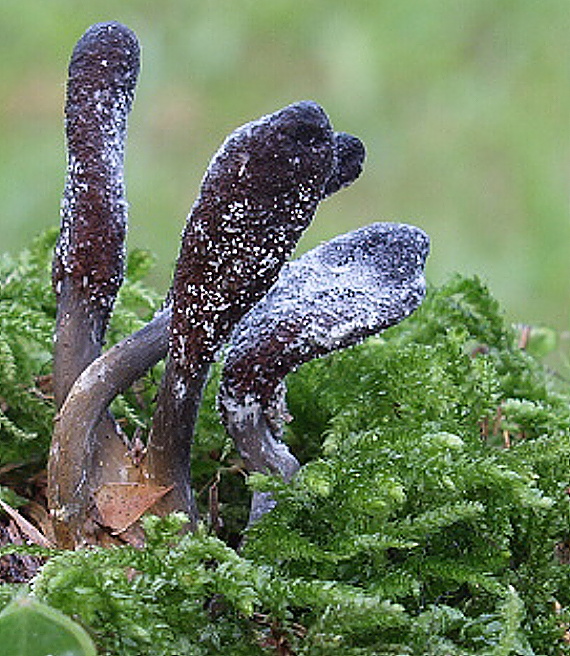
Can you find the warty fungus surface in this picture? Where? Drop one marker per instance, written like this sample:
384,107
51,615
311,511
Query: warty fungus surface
88,264
89,258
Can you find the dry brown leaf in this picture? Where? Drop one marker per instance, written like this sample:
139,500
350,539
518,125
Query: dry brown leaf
122,504
27,529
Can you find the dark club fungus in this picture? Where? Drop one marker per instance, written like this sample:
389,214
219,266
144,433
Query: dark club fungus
89,257
260,192
130,359
114,371
88,263
332,297
258,195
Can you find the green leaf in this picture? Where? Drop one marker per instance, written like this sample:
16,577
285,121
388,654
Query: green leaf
30,628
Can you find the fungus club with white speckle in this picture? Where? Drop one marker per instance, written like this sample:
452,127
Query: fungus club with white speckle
334,296
88,263
259,194
89,257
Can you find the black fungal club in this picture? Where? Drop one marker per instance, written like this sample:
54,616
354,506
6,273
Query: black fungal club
89,257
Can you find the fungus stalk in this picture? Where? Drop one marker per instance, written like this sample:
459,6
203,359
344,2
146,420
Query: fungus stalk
334,296
109,375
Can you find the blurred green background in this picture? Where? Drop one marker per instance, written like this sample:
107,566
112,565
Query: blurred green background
464,107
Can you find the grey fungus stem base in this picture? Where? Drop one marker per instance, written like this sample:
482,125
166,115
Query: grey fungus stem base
260,445
83,440
72,354
170,442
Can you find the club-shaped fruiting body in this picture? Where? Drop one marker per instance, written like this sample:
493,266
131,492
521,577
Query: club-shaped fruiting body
334,296
259,193
89,257
353,286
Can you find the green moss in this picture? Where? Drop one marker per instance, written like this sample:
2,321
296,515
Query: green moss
27,316
431,514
